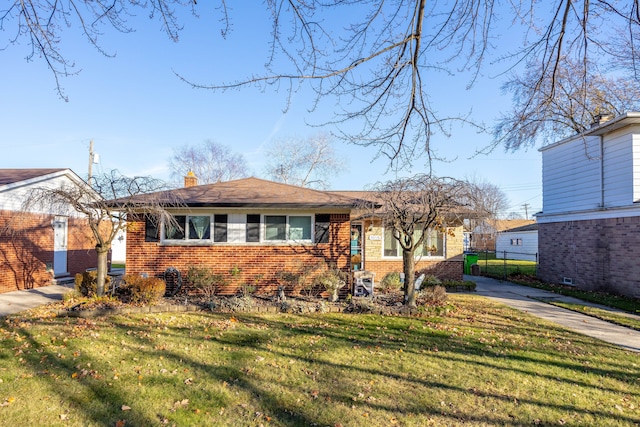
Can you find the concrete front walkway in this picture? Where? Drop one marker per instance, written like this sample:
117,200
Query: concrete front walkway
17,301
524,298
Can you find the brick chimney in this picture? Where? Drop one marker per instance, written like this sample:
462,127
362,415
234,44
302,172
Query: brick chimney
190,180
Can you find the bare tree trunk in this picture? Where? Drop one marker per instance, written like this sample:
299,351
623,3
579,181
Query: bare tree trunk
103,253
408,266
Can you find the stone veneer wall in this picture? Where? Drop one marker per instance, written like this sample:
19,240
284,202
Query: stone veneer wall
447,269
599,255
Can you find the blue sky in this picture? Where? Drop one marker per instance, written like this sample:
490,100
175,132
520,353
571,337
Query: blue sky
136,110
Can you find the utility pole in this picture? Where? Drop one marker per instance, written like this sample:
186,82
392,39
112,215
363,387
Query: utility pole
90,161
526,210
93,158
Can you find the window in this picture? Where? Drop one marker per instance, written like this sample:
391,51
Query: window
199,227
189,227
390,243
299,228
253,228
432,245
516,242
321,232
220,228
240,228
282,227
151,230
275,227
176,231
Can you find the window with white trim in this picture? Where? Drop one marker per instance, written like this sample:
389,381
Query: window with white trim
197,227
433,244
244,228
287,227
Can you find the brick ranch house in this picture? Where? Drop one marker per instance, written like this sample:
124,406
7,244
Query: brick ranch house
39,247
589,227
262,227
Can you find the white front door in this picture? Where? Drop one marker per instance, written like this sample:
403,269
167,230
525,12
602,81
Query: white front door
60,230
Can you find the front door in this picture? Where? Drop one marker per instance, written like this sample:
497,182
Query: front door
357,261
60,230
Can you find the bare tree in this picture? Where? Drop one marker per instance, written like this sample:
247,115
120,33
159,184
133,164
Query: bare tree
210,162
563,104
515,215
309,162
411,207
487,203
96,204
377,58
42,23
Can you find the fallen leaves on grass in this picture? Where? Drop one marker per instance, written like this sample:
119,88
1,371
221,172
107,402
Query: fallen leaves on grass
8,401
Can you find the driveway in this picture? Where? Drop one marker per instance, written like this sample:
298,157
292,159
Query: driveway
523,298
17,301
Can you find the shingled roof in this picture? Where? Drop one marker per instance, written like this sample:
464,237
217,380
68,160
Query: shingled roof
528,227
251,192
11,176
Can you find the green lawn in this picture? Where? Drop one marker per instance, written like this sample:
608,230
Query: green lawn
609,316
482,364
503,268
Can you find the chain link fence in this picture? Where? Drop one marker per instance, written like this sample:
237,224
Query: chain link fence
506,263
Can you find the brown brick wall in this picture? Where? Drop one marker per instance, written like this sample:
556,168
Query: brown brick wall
596,254
483,242
26,248
256,262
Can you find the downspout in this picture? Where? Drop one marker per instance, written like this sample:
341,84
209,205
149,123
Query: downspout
601,171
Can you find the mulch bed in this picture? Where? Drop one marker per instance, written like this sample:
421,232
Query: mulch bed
386,304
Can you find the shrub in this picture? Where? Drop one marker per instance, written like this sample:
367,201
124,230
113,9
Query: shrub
206,281
87,283
247,290
331,279
298,279
430,280
390,282
143,290
435,296
458,285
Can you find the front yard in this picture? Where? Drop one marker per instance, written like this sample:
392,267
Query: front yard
477,363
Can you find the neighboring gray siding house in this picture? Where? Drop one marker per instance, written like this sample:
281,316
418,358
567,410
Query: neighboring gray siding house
589,227
519,243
